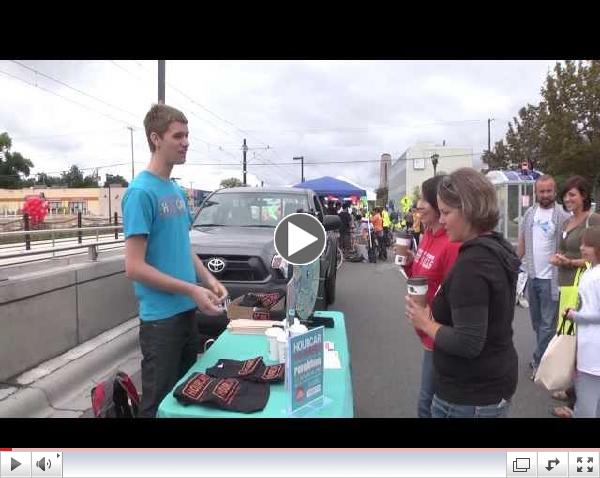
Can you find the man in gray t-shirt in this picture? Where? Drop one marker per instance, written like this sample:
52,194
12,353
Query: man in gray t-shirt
539,236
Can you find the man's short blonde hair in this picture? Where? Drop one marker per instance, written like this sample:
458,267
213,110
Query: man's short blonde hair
471,192
159,118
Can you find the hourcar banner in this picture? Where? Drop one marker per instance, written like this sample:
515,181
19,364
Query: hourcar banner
305,363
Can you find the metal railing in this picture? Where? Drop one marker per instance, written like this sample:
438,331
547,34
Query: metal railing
93,247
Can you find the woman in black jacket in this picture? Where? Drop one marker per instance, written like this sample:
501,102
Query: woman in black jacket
475,362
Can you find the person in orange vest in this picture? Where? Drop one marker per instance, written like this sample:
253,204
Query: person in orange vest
378,229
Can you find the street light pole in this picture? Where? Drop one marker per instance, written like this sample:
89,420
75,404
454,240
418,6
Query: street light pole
489,142
301,158
132,167
161,82
109,203
434,160
245,150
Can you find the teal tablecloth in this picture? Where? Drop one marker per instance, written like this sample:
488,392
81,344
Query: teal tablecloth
337,383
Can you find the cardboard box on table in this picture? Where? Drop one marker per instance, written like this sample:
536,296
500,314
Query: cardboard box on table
236,311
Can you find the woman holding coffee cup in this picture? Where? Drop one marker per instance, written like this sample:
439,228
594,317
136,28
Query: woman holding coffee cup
426,270
470,318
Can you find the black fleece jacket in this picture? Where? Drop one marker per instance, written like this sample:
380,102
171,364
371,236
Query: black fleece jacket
475,360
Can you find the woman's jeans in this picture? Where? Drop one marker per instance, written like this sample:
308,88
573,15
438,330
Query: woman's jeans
443,409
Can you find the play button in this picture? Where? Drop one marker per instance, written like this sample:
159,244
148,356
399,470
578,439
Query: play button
300,238
15,464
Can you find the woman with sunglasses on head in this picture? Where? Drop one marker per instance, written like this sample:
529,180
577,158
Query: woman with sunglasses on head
470,319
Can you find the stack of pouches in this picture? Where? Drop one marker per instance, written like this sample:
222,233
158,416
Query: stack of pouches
236,385
253,369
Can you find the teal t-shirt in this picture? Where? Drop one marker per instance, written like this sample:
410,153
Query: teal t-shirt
156,208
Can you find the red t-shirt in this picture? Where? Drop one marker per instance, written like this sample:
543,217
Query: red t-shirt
434,259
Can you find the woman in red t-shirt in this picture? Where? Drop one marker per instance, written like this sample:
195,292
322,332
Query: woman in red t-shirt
434,259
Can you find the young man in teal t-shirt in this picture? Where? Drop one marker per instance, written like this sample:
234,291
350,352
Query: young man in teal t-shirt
159,259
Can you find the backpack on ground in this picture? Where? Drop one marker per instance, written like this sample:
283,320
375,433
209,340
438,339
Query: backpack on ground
115,397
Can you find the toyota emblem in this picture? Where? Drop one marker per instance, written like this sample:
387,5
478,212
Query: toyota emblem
216,264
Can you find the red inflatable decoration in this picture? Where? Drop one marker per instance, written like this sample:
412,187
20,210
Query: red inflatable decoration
36,208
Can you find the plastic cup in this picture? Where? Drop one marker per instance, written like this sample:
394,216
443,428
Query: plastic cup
272,334
282,348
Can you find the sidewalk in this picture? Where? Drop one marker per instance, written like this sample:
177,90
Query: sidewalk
60,388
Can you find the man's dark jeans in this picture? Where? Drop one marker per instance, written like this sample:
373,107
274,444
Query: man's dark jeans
169,348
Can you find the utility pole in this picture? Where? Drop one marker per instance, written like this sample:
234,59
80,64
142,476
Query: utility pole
301,158
109,202
244,150
132,167
161,82
489,143
434,161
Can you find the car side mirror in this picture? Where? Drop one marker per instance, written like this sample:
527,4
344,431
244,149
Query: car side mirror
332,222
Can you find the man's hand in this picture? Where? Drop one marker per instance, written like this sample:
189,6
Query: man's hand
206,301
218,289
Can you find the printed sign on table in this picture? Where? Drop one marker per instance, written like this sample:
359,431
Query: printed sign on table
305,368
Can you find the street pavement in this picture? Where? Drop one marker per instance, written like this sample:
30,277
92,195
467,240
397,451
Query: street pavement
386,353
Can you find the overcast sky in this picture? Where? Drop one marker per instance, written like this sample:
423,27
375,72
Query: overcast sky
60,113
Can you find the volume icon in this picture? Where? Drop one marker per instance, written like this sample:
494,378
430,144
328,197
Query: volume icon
43,463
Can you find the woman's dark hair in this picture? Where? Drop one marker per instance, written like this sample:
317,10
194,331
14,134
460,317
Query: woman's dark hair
429,190
583,186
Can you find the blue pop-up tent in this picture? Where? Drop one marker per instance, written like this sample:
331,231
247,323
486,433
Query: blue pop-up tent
332,186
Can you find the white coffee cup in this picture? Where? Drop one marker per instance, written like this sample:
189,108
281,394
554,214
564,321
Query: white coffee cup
272,334
403,243
282,348
297,329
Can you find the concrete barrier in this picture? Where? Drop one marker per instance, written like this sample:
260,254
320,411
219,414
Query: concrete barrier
46,313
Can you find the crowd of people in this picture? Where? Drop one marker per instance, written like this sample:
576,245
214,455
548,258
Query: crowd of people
552,241
367,235
470,364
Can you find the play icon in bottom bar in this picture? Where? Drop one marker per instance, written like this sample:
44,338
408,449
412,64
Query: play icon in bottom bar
15,464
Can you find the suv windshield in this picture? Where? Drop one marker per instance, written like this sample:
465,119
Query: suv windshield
260,209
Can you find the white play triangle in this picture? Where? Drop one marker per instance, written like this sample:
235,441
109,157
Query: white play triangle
298,239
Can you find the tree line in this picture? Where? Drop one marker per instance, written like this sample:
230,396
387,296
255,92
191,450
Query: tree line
560,135
15,172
